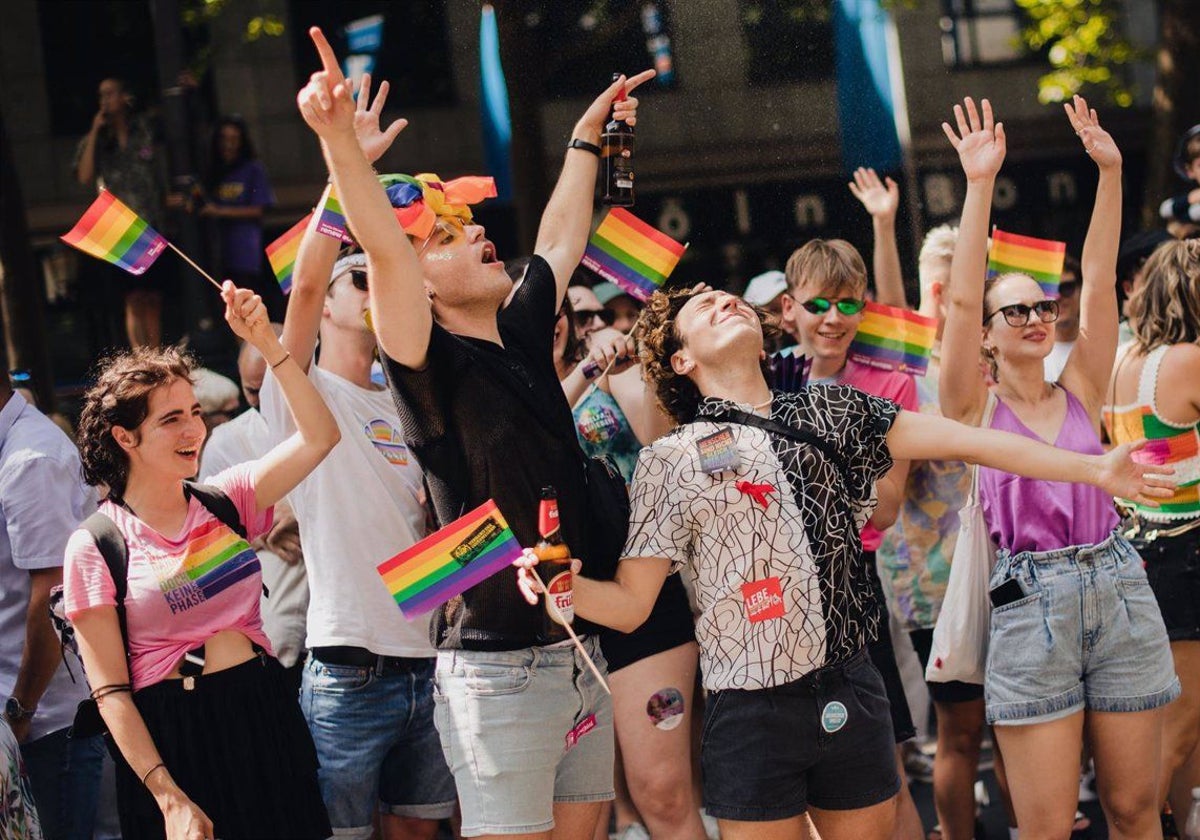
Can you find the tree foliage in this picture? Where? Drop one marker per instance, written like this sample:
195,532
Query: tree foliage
1084,44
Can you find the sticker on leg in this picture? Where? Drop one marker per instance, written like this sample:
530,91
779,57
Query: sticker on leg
665,708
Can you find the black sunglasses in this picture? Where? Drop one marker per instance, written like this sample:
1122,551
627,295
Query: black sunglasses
583,317
359,279
1018,314
846,306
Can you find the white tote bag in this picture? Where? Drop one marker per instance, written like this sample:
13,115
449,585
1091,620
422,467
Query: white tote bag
960,637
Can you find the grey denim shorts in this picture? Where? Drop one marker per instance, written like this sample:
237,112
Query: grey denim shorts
1086,635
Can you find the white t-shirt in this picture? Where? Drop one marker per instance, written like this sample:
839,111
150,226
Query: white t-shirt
359,507
246,438
42,500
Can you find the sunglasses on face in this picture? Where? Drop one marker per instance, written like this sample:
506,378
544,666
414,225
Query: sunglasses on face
1019,314
584,317
846,306
358,278
445,230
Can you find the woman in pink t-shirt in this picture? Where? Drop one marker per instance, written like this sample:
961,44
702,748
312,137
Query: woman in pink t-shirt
219,749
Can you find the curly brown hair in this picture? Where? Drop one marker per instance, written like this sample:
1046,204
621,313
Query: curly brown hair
658,340
1165,308
121,397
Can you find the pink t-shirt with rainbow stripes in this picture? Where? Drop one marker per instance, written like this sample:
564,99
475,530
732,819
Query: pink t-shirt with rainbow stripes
183,589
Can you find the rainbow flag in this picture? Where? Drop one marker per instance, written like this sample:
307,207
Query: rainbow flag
111,231
332,221
627,251
894,339
1041,259
281,253
451,561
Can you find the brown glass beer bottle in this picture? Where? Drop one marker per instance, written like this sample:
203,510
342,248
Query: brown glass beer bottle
554,569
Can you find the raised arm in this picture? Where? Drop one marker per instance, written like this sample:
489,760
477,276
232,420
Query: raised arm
318,252
567,219
288,463
981,146
882,199
915,435
1087,370
400,307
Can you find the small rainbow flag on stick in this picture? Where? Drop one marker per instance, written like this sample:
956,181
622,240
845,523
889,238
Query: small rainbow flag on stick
1041,259
451,561
111,231
627,251
894,339
281,253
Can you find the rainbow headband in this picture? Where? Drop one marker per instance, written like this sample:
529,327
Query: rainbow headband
422,199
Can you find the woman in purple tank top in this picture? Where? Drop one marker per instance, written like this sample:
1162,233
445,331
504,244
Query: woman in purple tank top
1077,639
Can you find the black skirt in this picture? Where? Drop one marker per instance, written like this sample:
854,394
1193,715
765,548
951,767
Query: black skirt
237,745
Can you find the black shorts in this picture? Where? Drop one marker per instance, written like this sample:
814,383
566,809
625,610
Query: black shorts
942,692
883,654
1173,567
823,740
238,746
670,625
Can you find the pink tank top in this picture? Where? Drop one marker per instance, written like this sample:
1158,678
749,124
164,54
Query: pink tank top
1026,514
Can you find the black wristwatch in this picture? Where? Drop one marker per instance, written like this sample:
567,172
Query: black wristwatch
576,143
15,712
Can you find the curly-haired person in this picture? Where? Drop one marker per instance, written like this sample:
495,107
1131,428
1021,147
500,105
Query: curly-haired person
761,496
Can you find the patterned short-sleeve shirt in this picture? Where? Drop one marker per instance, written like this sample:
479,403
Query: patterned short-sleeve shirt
772,542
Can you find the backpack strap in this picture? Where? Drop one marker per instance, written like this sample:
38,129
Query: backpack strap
216,502
112,547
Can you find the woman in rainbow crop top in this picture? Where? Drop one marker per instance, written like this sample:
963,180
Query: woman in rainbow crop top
1155,394
217,749
1077,642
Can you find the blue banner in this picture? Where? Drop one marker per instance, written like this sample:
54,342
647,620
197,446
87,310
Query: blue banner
866,111
493,104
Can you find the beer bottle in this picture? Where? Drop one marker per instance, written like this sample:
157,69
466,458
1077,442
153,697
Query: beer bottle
554,569
616,156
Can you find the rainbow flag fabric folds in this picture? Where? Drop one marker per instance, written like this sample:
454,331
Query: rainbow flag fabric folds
332,221
445,564
627,251
281,253
1041,259
114,233
894,339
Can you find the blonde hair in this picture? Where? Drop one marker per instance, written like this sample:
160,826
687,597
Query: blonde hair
827,263
1165,309
937,251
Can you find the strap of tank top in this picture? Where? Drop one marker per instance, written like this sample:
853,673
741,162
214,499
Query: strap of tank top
985,422
1148,380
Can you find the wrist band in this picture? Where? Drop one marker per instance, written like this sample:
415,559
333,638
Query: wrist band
146,775
115,688
286,356
576,143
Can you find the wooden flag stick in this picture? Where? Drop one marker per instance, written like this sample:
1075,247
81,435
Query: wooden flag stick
188,260
558,616
595,383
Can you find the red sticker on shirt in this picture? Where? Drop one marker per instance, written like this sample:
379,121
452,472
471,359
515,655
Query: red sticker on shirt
763,599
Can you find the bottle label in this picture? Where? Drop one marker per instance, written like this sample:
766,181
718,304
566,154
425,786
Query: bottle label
548,517
560,595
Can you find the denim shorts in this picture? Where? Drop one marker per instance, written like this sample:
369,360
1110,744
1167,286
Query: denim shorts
1087,634
823,740
521,730
377,744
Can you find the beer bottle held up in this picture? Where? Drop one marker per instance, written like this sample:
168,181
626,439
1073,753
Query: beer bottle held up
616,157
554,569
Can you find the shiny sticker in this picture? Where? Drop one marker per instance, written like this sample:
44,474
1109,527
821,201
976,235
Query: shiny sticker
665,708
833,716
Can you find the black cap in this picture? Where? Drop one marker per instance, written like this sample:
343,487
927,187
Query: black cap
1137,248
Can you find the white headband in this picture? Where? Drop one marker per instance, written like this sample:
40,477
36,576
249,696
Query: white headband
346,263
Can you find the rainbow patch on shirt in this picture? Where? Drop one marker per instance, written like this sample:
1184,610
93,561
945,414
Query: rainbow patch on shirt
598,424
388,440
215,559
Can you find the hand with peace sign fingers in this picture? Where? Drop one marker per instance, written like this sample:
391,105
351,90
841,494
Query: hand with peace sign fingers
980,143
326,102
372,139
1097,142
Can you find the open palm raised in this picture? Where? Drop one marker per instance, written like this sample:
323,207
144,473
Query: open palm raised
980,142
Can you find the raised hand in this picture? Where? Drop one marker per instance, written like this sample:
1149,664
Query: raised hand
879,198
373,140
1126,477
326,102
1097,142
980,143
246,314
610,347
597,115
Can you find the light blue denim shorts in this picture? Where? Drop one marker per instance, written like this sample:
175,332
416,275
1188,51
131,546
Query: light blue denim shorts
521,730
1086,635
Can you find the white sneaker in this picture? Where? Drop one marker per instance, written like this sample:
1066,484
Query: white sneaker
711,827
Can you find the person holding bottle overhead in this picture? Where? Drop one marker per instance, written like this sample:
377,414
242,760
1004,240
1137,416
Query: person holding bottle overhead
616,151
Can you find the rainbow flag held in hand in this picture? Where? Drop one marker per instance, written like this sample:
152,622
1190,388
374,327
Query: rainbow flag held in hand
627,251
1041,259
332,221
894,339
445,564
281,253
114,233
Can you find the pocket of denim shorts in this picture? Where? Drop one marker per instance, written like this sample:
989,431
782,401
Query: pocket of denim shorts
483,680
340,679
1032,598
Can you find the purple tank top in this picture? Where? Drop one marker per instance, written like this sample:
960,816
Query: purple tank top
1025,514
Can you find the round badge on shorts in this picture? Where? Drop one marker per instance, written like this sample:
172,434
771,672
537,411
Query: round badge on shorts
833,716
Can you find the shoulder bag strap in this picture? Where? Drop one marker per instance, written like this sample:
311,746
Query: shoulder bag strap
112,547
216,502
